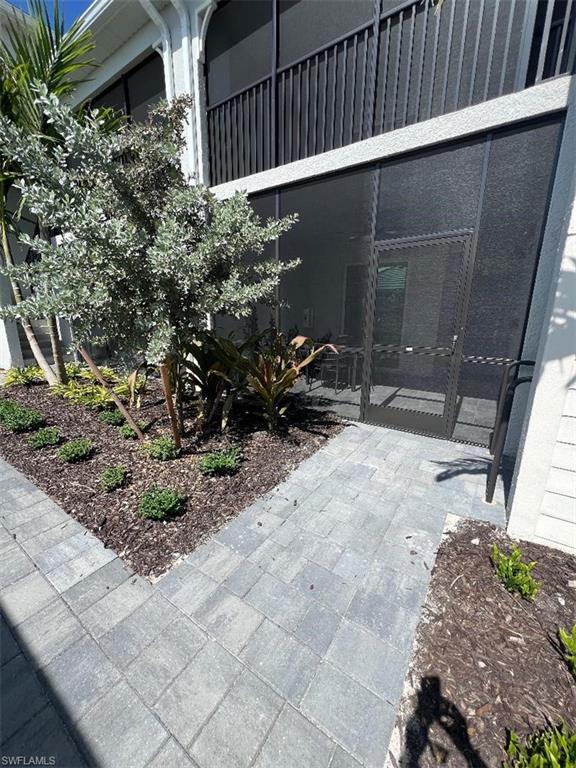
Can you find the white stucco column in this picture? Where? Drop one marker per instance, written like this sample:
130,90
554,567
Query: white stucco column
10,351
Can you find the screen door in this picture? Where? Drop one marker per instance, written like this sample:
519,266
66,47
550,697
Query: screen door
418,312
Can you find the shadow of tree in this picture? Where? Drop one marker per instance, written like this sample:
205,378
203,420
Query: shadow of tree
434,709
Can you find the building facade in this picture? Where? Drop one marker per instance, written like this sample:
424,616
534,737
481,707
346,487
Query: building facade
428,150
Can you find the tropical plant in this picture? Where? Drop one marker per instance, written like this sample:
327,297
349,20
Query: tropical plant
40,51
76,450
548,748
514,573
162,448
225,462
44,438
158,503
274,371
147,256
568,640
19,418
31,374
216,367
113,478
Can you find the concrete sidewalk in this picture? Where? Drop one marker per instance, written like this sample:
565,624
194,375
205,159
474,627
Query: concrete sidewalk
282,642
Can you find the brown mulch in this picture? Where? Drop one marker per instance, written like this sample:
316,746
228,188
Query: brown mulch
486,661
150,546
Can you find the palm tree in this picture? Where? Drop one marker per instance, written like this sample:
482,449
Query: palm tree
38,52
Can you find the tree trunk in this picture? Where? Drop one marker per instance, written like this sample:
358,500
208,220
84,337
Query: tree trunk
165,375
119,404
56,344
26,324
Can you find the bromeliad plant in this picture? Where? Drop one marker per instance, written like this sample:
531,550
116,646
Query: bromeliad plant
273,372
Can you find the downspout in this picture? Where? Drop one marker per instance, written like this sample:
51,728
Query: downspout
191,135
160,22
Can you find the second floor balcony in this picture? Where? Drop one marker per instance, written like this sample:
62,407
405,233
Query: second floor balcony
289,79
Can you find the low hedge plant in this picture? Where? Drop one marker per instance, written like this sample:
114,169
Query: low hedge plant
161,448
77,450
19,418
44,438
225,462
113,478
158,503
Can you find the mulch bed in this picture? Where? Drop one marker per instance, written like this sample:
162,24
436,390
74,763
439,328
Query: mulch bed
149,546
485,661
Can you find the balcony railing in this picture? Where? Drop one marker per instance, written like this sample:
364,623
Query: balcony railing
415,62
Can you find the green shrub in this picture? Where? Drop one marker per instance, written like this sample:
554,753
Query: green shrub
549,748
73,369
128,433
76,450
93,396
158,503
515,574
107,374
112,418
568,641
44,438
112,478
225,462
162,448
19,418
32,374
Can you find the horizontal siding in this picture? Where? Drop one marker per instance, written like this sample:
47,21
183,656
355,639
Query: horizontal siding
557,532
564,457
570,404
562,481
560,507
567,431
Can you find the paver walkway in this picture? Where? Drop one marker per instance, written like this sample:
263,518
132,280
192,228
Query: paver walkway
283,642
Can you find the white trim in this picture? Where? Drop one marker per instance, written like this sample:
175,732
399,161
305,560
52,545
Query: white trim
167,53
190,129
541,99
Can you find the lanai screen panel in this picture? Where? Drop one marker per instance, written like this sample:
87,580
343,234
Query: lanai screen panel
325,295
520,174
238,47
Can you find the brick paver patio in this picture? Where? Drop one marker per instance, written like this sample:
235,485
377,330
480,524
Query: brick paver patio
282,642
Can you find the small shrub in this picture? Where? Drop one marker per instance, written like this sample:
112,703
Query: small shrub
76,450
158,503
549,748
107,374
32,374
162,448
19,418
93,396
514,573
44,438
225,462
128,433
112,478
73,369
568,641
112,418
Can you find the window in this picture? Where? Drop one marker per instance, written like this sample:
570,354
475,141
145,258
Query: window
136,90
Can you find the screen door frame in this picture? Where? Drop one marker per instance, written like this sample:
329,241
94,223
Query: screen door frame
413,420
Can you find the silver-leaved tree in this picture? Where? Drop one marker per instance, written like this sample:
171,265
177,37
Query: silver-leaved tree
144,255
